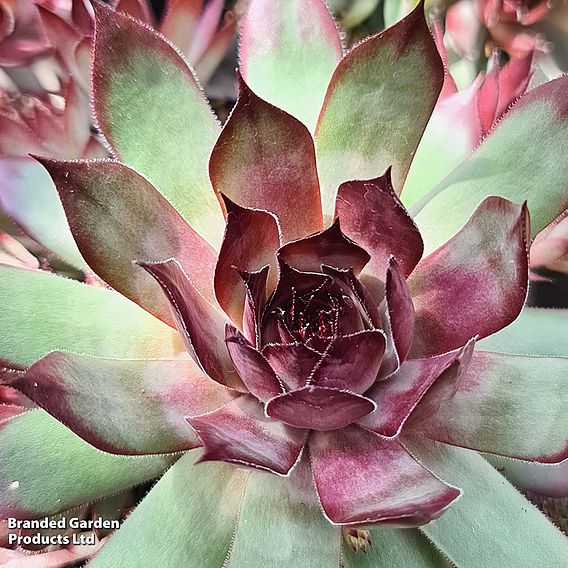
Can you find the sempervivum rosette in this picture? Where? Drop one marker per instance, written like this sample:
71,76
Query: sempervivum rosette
330,352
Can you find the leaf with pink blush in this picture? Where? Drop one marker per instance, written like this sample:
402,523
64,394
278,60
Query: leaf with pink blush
250,242
205,29
241,434
451,135
255,300
319,408
154,116
511,163
118,217
201,325
330,247
398,318
139,9
293,363
362,479
399,395
265,159
508,405
476,283
288,51
351,362
252,367
372,215
377,105
179,22
123,406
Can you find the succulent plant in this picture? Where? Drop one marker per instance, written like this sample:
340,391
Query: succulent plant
312,358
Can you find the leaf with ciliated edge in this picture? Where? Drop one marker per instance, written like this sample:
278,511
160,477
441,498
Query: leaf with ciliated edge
48,312
285,514
123,406
28,195
155,117
45,468
288,51
118,217
519,160
265,159
490,511
187,519
504,404
395,548
475,284
377,105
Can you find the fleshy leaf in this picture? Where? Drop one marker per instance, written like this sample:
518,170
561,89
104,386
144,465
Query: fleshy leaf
288,51
154,115
200,324
507,405
519,338
250,242
363,479
397,397
255,300
241,434
476,283
48,312
527,538
319,408
372,215
123,406
252,367
330,247
205,497
286,514
395,548
179,22
377,105
292,362
265,159
352,362
46,468
28,195
118,217
516,161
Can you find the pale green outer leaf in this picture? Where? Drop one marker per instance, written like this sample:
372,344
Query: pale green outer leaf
395,10
395,548
523,159
28,195
492,525
282,524
377,105
288,51
187,520
536,332
156,118
508,405
448,139
45,468
41,312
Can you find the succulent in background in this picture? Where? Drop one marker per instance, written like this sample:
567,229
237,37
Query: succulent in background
339,341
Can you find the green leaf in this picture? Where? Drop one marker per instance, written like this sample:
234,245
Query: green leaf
45,468
281,522
288,52
523,159
504,404
395,548
536,332
377,105
155,116
187,519
28,195
43,312
492,525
